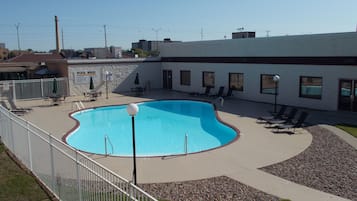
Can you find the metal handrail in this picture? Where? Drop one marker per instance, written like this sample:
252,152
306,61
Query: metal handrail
186,144
107,139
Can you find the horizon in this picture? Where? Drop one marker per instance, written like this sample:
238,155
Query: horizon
82,22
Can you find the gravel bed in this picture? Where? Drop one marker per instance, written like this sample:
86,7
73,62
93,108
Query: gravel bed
329,164
216,188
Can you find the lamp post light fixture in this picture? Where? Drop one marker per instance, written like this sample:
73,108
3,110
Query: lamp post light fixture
132,110
106,83
276,79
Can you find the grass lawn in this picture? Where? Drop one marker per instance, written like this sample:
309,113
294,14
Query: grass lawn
15,183
351,129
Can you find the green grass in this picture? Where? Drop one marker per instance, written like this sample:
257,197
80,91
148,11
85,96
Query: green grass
16,184
351,129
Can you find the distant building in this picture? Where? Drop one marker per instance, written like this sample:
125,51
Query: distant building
4,53
243,34
30,65
115,52
150,45
102,52
2,45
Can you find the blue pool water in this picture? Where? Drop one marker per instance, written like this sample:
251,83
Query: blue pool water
160,129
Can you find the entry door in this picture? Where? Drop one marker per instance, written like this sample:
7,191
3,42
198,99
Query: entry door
348,95
167,79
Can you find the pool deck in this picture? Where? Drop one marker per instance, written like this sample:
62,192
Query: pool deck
256,147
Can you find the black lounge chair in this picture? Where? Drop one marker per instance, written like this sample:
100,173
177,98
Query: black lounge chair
229,93
278,115
286,119
207,91
299,122
220,92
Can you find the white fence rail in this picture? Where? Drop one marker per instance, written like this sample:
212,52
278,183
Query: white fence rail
69,174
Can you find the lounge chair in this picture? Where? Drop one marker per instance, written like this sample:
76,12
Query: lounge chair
220,92
284,119
278,115
293,125
207,91
229,93
18,112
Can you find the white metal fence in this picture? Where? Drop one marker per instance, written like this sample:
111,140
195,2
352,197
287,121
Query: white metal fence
33,88
69,174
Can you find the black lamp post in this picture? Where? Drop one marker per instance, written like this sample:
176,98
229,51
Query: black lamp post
276,79
132,109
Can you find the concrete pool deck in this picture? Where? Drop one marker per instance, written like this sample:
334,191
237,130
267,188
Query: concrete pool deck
257,146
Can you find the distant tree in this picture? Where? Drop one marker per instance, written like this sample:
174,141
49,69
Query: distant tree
11,54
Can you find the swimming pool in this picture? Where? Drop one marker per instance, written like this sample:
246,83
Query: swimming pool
160,129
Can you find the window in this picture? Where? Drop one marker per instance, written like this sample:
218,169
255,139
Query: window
208,79
236,81
267,84
185,77
311,87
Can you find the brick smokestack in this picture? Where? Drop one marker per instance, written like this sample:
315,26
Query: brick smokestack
57,36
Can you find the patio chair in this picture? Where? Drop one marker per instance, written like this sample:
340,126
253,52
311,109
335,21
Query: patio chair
207,91
293,125
229,93
220,92
18,112
277,115
284,119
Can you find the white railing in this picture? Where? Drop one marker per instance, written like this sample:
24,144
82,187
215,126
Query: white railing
32,88
66,172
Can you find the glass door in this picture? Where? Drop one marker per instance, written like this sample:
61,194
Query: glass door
348,95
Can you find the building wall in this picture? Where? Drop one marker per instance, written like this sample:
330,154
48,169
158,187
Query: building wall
341,44
322,45
123,72
288,85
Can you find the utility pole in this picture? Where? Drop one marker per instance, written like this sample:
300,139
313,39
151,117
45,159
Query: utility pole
105,36
157,33
18,36
105,41
201,33
267,33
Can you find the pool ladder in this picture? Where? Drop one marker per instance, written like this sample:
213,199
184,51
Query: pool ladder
106,141
186,144
79,105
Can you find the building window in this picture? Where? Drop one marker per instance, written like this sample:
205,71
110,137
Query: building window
236,81
267,84
185,77
311,87
208,79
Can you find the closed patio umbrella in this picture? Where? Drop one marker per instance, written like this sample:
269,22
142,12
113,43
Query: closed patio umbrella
55,87
137,82
91,84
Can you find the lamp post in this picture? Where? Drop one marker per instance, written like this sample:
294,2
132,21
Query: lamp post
132,109
276,79
106,84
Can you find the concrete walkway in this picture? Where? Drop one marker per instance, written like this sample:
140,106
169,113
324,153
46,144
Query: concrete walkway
257,146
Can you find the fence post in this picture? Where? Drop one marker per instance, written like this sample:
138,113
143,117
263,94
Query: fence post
52,164
78,177
11,134
13,91
41,81
29,144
